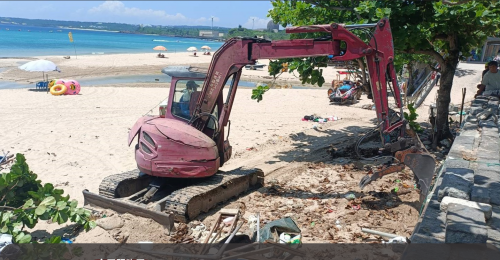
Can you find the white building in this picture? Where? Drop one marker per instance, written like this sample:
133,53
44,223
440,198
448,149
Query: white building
209,33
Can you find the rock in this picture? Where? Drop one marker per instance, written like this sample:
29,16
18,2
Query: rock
484,123
427,142
110,223
445,142
455,185
465,225
480,194
483,207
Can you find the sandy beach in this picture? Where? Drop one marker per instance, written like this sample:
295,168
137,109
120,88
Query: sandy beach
75,141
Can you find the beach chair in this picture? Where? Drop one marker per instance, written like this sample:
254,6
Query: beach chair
42,85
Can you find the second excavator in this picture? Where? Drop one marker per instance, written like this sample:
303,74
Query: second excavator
179,153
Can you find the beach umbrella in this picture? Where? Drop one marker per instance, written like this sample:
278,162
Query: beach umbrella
40,66
206,47
160,48
192,49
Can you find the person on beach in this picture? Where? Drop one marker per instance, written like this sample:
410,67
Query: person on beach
490,85
191,87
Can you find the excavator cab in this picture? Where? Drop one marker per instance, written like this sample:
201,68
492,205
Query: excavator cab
186,93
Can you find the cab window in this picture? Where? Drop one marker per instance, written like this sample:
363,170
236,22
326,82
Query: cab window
185,96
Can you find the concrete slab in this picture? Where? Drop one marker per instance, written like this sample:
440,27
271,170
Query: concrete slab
465,225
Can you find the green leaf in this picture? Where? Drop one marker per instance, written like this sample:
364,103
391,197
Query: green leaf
63,217
321,81
61,205
53,240
6,216
20,158
49,201
22,238
4,229
73,204
28,204
92,224
40,210
45,216
48,188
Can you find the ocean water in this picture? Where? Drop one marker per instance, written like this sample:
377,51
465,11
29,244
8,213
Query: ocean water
27,41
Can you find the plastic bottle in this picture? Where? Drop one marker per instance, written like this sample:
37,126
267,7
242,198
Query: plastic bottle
350,196
285,238
338,224
295,240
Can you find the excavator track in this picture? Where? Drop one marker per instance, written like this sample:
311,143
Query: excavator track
115,186
182,199
189,202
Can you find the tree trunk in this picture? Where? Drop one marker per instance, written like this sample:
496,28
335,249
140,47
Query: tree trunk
442,130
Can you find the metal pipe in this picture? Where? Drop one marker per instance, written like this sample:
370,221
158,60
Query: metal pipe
221,250
378,233
354,26
258,227
464,90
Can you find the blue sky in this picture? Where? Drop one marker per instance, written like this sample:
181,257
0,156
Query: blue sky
225,13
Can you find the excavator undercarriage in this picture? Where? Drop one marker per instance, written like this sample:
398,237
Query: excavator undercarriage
176,200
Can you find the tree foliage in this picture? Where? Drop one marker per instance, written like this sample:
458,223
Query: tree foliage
411,117
259,91
24,201
300,13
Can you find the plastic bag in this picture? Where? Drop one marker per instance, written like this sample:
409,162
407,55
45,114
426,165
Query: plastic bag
281,225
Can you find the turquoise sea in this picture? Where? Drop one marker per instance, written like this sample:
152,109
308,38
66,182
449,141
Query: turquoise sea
27,41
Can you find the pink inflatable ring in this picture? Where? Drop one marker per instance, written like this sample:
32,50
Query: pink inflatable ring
73,87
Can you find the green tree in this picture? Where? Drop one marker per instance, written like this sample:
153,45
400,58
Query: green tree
439,29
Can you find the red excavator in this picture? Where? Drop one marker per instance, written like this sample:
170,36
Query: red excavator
179,153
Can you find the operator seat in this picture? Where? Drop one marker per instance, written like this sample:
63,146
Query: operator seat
192,101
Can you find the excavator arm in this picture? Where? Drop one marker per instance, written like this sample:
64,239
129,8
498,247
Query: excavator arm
228,61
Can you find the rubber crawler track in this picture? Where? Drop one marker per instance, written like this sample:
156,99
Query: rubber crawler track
187,202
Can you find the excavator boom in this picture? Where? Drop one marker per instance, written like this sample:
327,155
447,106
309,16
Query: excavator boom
238,52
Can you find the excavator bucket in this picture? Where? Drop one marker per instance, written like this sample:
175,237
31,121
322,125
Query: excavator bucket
423,166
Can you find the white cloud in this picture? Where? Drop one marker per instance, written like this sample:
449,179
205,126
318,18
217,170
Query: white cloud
256,22
118,8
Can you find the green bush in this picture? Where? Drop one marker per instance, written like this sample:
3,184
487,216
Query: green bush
24,201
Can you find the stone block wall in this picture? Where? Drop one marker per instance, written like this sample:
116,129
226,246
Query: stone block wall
464,206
